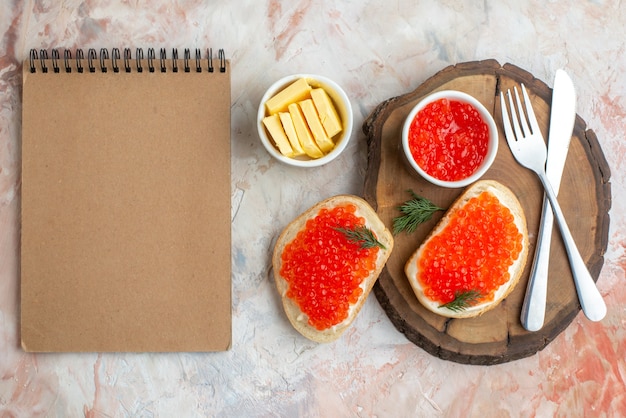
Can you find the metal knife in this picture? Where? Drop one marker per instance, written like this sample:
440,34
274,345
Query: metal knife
562,117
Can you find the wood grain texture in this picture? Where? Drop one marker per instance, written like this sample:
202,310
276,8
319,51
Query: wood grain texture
585,197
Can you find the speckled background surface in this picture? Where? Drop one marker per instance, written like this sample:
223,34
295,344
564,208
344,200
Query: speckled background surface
375,50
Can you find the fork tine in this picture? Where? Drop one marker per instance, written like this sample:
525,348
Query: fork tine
522,115
506,121
530,112
519,134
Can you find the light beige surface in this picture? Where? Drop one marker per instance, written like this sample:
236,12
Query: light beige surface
375,50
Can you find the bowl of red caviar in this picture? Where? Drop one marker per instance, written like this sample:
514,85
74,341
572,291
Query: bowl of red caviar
450,139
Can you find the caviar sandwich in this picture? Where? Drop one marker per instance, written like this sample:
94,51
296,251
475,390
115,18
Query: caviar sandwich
475,255
325,263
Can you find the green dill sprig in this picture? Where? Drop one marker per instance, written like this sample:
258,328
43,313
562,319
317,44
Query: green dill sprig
362,234
415,211
462,300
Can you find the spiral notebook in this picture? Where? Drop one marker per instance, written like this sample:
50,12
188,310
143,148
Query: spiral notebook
125,242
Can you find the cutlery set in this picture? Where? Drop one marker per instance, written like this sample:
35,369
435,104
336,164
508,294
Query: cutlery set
529,150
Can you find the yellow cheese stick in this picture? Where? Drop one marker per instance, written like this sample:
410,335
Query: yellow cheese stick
315,125
303,132
275,128
327,112
296,91
290,131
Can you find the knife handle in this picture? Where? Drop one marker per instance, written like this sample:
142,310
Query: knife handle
534,307
589,296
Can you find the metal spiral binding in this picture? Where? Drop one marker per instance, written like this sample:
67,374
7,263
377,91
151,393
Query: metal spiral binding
151,60
162,58
104,56
209,52
91,56
101,60
186,58
55,60
42,57
175,60
198,60
139,59
115,56
222,57
79,60
67,56
127,57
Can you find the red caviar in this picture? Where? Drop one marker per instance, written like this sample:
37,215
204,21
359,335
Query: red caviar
448,139
473,252
324,269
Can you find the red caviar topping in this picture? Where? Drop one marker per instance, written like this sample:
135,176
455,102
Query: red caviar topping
473,252
324,269
448,139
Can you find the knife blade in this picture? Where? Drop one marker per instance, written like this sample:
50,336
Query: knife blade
562,117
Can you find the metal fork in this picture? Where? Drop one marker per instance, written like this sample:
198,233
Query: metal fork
529,149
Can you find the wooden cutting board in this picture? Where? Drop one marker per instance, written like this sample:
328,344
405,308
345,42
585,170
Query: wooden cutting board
585,197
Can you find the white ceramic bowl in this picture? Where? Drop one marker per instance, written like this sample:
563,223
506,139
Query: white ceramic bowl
342,104
492,147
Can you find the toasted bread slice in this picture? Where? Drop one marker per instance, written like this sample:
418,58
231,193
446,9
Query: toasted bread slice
296,316
506,198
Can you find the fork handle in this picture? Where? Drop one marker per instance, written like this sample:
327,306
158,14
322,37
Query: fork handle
588,294
534,306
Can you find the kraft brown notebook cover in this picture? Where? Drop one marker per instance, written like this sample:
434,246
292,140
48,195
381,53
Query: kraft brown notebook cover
125,198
